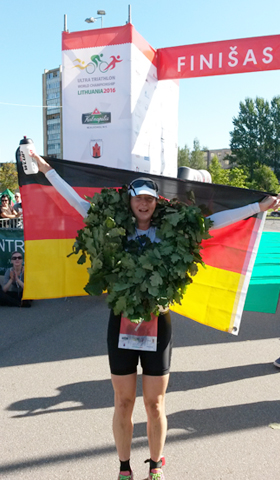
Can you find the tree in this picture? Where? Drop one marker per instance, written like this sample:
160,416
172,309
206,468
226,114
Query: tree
183,157
265,180
197,159
218,174
255,139
237,178
8,177
275,143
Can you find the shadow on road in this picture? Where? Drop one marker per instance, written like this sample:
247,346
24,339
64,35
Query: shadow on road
188,424
99,394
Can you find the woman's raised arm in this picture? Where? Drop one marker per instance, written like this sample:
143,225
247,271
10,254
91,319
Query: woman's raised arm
62,187
228,217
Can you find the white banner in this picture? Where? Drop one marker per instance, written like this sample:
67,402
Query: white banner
115,111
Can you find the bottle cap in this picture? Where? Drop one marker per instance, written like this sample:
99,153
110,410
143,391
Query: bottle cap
25,141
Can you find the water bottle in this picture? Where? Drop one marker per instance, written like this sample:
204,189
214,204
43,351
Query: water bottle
29,164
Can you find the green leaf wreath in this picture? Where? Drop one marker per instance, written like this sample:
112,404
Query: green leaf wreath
140,279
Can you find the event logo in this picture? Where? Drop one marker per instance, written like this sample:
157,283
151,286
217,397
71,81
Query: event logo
96,118
96,148
98,64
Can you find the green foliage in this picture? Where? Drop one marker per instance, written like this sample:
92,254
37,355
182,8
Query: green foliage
197,159
275,140
183,157
237,178
8,177
264,180
193,159
255,139
140,279
218,174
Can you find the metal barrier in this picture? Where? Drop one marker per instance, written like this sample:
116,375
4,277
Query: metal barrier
11,223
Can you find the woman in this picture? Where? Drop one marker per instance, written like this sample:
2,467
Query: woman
11,293
155,364
8,213
6,210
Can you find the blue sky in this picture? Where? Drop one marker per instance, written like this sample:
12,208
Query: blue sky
31,42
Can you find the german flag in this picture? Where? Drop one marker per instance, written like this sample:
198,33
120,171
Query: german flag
217,295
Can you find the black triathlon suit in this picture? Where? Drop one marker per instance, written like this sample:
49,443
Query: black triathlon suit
124,361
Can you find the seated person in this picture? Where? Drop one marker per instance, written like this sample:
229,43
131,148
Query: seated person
6,210
11,293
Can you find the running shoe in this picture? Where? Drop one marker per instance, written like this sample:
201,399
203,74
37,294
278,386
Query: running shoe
277,363
156,474
125,476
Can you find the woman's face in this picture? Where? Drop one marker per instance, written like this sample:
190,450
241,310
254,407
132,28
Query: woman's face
16,259
143,207
4,201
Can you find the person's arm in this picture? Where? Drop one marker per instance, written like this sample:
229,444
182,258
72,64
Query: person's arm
8,280
7,215
62,187
228,217
19,281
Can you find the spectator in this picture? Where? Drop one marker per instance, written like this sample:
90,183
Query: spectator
11,293
6,210
17,206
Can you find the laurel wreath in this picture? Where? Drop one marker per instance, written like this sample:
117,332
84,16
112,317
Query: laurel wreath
140,277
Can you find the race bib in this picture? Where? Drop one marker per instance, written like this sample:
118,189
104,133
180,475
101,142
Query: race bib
141,336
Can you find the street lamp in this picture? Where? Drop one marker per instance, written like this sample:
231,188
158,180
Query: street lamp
93,19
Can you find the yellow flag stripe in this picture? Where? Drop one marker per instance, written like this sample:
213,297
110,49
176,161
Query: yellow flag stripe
49,273
211,298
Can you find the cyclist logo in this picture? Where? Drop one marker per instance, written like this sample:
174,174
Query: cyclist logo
97,63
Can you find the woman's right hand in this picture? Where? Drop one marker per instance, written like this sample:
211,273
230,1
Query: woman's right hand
12,275
43,166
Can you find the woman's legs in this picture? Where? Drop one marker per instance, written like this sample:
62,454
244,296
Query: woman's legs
11,299
125,394
154,389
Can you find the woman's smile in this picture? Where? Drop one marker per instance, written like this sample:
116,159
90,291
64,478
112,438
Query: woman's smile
143,207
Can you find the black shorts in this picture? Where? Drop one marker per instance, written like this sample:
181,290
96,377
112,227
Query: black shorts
124,361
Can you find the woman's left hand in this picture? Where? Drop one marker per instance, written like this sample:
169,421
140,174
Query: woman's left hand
270,202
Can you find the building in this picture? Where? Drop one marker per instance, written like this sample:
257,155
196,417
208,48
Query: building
221,154
52,113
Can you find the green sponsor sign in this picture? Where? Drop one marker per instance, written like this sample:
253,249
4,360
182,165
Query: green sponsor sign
11,239
96,118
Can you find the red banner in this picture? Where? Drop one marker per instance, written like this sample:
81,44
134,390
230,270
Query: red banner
219,58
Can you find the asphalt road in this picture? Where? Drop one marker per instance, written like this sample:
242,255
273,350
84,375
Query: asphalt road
222,403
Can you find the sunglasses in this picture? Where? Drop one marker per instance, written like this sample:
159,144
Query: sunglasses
140,182
17,258
5,200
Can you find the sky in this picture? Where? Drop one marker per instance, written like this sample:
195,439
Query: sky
31,42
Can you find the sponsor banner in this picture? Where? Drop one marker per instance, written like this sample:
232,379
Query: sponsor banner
11,239
115,112
220,58
96,91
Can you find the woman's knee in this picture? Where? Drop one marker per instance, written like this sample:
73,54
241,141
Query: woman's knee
155,407
124,404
